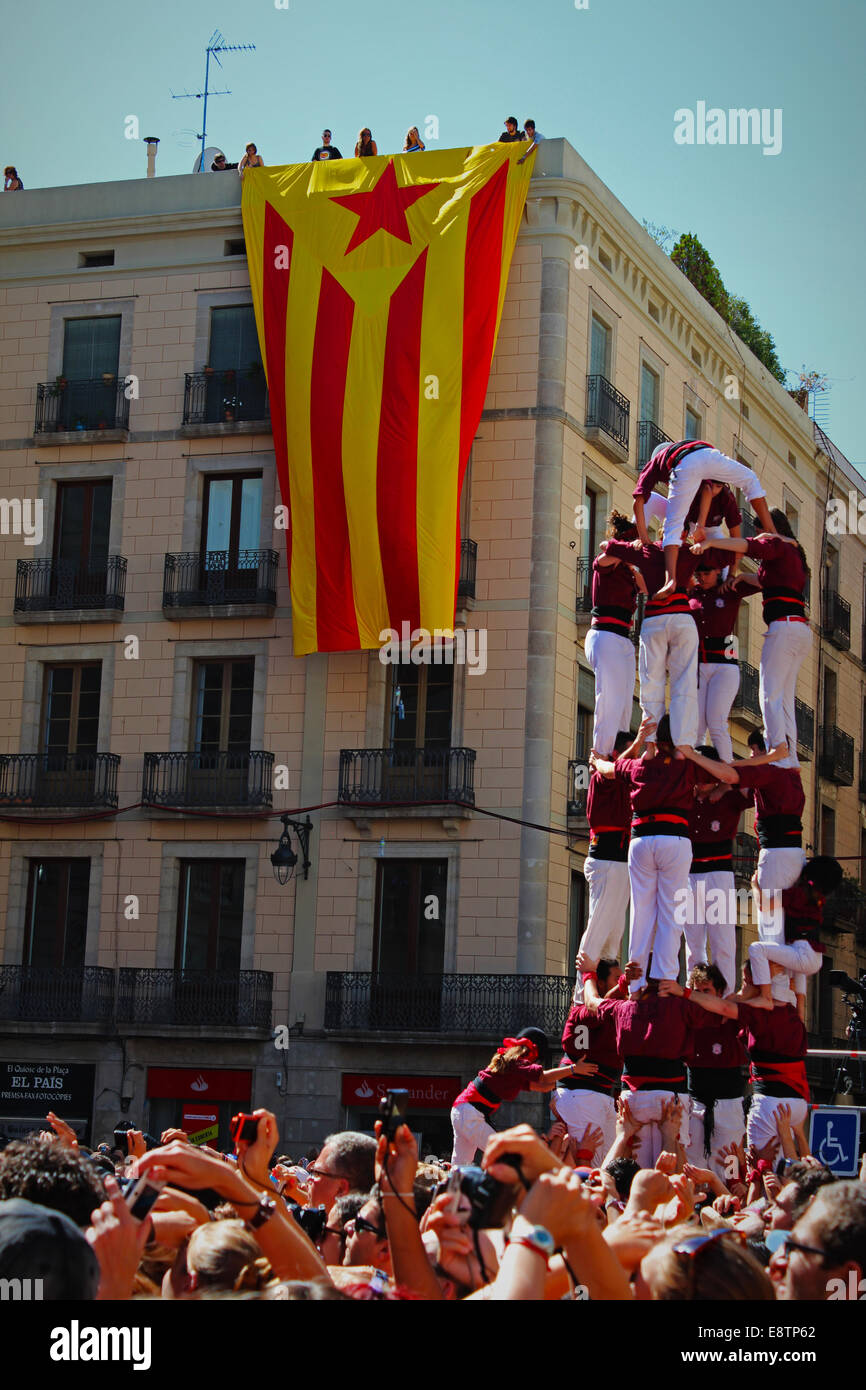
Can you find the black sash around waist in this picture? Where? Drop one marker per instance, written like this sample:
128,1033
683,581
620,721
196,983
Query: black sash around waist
664,820
779,832
712,857
714,651
783,601
607,617
654,1073
707,1084
609,844
602,1083
677,603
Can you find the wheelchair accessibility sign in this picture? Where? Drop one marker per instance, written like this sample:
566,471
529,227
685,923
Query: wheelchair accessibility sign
835,1138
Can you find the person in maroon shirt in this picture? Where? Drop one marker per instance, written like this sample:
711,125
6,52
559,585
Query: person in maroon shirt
713,505
799,951
715,609
605,868
712,901
608,645
661,788
668,638
685,466
653,1034
782,575
717,1080
779,799
514,1067
583,1101
776,1042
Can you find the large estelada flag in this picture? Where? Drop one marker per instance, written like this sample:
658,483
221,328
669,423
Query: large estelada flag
378,287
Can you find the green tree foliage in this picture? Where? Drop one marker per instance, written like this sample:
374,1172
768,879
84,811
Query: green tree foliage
698,266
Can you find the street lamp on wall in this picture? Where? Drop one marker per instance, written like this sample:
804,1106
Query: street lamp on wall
284,858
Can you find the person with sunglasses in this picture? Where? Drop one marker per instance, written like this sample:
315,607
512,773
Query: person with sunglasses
345,1164
824,1256
332,1242
366,1237
366,146
326,150
702,1266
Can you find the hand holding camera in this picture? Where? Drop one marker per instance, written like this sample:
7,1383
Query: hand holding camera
255,1137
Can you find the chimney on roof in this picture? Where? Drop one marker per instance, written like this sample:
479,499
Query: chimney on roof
151,141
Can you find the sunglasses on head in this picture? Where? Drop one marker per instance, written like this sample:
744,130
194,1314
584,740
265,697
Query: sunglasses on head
693,1244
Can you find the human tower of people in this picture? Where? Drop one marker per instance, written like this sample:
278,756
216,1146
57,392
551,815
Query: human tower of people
663,809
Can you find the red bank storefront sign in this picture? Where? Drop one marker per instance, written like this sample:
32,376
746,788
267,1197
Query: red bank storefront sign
188,1083
366,1089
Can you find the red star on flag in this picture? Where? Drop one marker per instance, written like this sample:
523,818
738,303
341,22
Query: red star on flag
383,208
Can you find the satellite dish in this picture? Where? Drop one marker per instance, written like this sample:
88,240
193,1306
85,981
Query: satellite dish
207,160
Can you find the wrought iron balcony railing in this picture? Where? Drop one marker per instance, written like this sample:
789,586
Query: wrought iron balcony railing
67,406
468,564
746,708
846,908
226,999
474,1005
746,849
188,780
43,994
578,787
583,604
225,397
837,756
607,409
649,437
220,578
805,728
55,586
750,526
371,776
836,622
35,781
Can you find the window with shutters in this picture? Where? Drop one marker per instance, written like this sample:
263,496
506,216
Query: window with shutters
600,348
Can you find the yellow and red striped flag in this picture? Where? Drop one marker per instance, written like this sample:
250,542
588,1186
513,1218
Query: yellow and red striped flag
378,287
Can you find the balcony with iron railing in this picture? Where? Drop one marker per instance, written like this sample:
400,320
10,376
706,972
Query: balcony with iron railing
607,417
746,708
136,999
649,437
583,589
468,564
190,781
746,849
845,910
62,591
836,620
63,994
805,729
836,763
388,776
98,406
749,526
480,1006
194,998
58,781
225,397
219,579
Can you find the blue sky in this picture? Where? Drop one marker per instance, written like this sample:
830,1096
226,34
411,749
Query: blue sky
786,231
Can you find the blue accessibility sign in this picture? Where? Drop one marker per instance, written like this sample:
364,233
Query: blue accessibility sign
835,1138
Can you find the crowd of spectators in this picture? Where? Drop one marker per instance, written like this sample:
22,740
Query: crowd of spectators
363,1218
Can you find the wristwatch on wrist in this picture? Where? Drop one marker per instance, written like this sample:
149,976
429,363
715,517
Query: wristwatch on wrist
263,1212
536,1238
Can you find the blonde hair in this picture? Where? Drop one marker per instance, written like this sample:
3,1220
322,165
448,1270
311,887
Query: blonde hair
500,1060
225,1255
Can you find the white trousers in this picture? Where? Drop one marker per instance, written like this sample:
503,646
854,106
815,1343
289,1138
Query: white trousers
471,1132
577,1109
777,869
712,917
687,478
613,661
669,647
729,1127
797,957
646,1106
718,683
761,1124
609,891
658,870
785,648
655,508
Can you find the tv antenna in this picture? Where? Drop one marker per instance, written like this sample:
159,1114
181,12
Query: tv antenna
216,46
